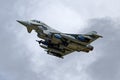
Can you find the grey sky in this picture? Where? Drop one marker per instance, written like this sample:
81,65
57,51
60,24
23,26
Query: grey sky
22,59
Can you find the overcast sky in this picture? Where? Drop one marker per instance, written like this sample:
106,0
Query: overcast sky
21,58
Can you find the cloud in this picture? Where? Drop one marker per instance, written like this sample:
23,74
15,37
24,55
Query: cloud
22,59
107,66
95,9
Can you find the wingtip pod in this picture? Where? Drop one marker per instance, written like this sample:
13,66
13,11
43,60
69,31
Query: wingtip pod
100,36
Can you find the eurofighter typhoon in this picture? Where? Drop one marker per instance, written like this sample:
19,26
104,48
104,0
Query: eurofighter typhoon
57,43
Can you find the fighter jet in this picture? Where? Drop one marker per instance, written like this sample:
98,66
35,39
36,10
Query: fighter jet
57,43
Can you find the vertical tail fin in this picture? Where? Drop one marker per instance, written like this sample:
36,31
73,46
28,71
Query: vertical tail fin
93,36
94,33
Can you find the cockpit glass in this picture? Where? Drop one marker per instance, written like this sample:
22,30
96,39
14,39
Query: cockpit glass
36,21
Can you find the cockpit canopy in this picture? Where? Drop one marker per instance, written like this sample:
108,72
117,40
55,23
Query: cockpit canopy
36,21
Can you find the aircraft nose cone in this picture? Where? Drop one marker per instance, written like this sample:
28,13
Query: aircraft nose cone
22,22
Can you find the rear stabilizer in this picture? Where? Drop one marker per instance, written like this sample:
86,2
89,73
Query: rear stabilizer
94,33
